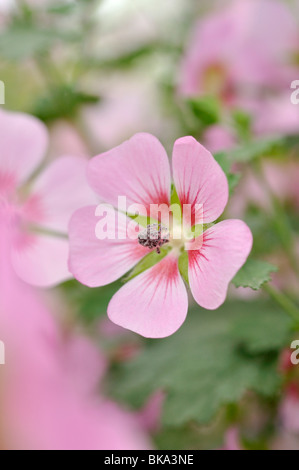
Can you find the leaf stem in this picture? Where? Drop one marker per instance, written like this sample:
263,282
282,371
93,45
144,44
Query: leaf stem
283,300
280,221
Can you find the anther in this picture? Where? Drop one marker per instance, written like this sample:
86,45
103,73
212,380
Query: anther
154,236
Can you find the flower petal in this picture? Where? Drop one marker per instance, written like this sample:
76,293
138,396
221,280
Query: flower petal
138,169
41,260
276,116
61,189
154,304
225,248
24,142
97,262
199,180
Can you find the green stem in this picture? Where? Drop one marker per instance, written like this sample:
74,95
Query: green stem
287,304
285,233
280,221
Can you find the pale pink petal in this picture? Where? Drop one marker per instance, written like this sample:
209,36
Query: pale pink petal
199,180
277,116
232,439
268,34
218,138
289,410
212,44
97,262
151,414
82,363
41,260
249,43
66,140
61,189
154,304
138,169
24,142
49,387
225,248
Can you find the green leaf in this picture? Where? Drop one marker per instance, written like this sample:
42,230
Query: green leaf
175,201
142,220
190,437
233,181
174,196
128,59
224,161
201,368
62,101
184,266
24,41
275,146
206,109
254,274
147,262
262,332
255,149
242,122
89,304
62,9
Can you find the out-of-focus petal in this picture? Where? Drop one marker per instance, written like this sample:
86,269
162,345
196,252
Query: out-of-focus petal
225,248
24,142
154,304
277,116
218,138
62,189
49,396
289,410
41,260
82,363
248,43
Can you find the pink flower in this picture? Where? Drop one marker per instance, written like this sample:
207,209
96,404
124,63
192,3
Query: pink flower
49,385
217,138
151,415
289,409
245,55
65,140
155,303
232,440
39,208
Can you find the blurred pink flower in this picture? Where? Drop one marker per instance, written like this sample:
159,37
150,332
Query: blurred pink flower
38,209
6,8
248,192
109,123
150,415
217,138
245,55
232,441
155,303
277,115
282,177
65,140
285,363
49,384
289,409
282,180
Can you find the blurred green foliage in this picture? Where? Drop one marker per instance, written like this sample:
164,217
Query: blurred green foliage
209,363
50,59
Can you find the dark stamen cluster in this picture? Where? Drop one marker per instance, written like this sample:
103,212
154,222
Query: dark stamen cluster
154,236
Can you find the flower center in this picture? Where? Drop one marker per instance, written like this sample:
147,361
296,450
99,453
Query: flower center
216,82
154,236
